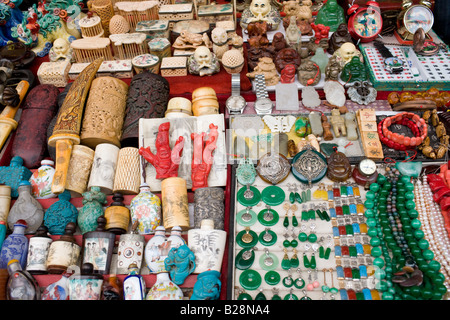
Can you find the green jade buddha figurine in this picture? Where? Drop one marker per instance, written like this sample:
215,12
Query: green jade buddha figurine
331,15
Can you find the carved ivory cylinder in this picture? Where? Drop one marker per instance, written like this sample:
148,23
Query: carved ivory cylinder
104,167
79,168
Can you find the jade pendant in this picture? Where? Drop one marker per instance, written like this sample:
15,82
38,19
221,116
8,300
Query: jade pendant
247,238
260,296
248,201
298,198
250,279
268,261
245,259
246,217
312,262
244,296
299,283
267,237
290,296
294,221
294,261
306,262
272,278
268,217
286,262
273,195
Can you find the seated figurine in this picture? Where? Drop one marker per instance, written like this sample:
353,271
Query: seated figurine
353,71
180,263
338,38
331,15
346,52
203,62
267,67
260,10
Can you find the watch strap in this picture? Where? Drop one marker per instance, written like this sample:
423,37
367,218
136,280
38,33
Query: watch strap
260,86
235,84
384,51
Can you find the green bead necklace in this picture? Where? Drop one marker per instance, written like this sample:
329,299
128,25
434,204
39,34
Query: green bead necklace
400,263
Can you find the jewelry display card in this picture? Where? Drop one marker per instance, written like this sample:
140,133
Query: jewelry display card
279,256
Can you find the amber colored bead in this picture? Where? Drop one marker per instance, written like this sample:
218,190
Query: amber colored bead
360,208
375,295
363,228
367,249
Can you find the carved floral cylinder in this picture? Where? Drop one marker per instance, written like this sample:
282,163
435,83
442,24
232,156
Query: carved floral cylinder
175,203
104,167
5,202
128,175
105,112
79,169
209,204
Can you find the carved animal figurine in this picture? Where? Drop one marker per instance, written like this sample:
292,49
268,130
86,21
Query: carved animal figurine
338,123
299,9
257,34
165,161
219,39
189,40
237,42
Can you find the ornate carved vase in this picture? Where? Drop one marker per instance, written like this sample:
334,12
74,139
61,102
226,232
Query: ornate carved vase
79,169
148,96
13,174
26,208
63,252
15,246
104,113
41,180
41,105
128,175
175,203
38,248
93,202
60,213
209,204
104,167
146,209
207,257
164,289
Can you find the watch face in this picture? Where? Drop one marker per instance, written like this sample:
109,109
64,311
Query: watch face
367,167
236,103
367,23
263,105
418,17
393,65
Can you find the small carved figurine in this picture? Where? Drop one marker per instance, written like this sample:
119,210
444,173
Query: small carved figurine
202,157
346,52
260,10
267,67
165,161
60,51
203,62
331,15
257,34
189,40
285,57
308,73
338,38
254,54
293,34
180,263
353,71
219,39
301,10
288,74
279,42
327,134
333,69
338,123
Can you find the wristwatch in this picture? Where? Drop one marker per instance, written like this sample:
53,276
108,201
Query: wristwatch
235,103
263,104
392,64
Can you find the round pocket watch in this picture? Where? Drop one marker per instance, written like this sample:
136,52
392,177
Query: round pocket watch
365,23
424,47
365,172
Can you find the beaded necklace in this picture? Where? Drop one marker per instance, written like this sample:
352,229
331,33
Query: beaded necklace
403,263
433,227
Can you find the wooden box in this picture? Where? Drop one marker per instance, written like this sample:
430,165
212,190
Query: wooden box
174,66
154,28
121,69
135,11
128,45
91,27
176,12
89,49
55,73
215,12
160,47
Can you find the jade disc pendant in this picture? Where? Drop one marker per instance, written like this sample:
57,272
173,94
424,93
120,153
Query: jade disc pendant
246,217
267,237
273,195
248,202
247,238
268,217
250,279
245,259
272,278
268,261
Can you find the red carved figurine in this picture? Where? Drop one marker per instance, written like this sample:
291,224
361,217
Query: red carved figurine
166,161
202,157
320,31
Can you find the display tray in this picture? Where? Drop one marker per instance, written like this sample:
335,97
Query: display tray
404,130
259,138
330,234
